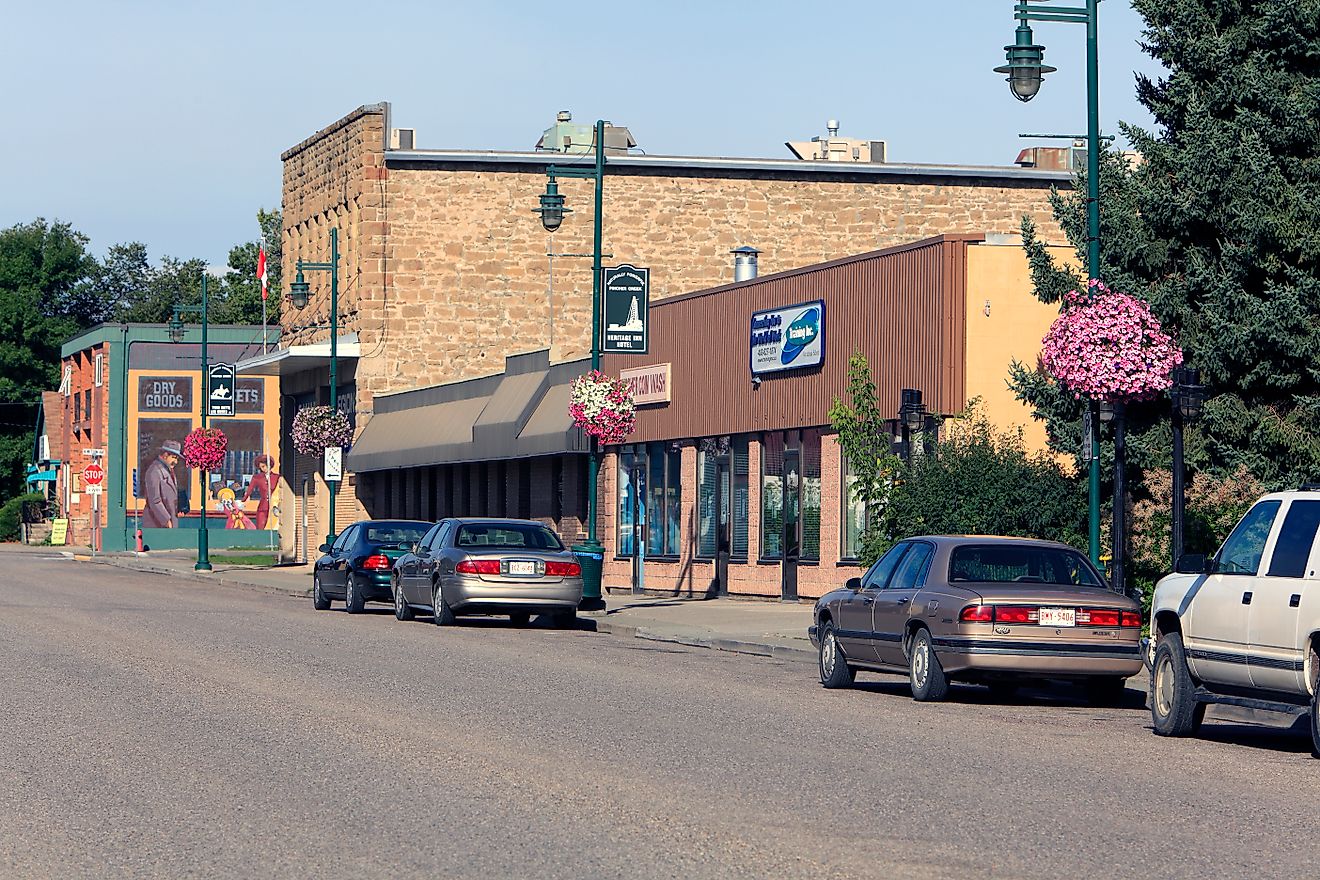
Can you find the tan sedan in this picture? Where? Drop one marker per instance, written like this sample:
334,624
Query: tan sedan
989,610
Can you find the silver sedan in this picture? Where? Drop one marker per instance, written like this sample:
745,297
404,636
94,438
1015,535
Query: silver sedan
488,566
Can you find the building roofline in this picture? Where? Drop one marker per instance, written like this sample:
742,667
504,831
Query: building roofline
378,109
541,159
110,331
968,237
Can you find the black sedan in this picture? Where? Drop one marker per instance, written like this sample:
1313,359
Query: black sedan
357,566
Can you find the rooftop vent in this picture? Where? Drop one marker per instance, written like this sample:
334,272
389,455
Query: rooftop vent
402,138
567,136
833,148
744,263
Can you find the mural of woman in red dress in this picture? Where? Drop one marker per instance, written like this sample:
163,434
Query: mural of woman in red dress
262,487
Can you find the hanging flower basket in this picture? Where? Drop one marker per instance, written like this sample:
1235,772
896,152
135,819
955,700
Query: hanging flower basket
204,448
602,407
315,428
1106,345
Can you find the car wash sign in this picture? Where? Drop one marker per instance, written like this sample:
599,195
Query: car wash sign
788,339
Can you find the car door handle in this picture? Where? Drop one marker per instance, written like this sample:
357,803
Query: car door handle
1295,600
867,600
1246,598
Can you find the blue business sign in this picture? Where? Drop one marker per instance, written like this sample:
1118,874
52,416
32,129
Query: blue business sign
788,339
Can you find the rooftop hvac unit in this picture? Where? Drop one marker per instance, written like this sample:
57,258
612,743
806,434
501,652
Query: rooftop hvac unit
402,138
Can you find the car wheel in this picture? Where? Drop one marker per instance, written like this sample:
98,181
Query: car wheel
925,674
402,610
1173,705
565,619
1315,721
320,601
441,613
353,601
1106,690
520,618
833,665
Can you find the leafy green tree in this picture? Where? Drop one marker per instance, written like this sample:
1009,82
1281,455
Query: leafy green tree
42,266
1218,227
974,479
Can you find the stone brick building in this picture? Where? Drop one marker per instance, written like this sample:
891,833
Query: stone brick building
446,270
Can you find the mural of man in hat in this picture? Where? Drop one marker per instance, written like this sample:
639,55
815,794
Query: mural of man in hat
161,489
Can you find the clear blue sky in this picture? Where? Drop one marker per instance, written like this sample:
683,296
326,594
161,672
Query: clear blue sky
162,122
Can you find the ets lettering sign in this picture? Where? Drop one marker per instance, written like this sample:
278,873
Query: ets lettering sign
165,394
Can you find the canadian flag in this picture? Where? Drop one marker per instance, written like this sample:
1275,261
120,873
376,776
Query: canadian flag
261,271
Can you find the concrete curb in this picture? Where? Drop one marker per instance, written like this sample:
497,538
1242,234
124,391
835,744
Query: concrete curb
712,642
228,578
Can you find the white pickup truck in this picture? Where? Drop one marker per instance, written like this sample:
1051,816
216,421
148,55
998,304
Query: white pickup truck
1242,627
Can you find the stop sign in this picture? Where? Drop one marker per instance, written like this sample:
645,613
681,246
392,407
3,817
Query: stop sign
93,474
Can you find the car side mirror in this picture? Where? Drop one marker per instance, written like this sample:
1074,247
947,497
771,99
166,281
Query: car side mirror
324,548
1195,563
853,584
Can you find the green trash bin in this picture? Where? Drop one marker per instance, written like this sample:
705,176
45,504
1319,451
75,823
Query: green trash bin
592,559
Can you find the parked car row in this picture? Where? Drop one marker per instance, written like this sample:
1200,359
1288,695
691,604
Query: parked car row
453,567
1239,628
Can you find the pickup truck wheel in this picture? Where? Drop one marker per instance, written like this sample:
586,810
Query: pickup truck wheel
834,669
1315,722
1173,705
925,674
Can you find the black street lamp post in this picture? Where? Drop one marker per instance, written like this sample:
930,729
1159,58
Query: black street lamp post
1188,395
911,417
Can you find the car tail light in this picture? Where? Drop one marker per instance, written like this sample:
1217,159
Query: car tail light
1098,616
562,569
377,562
478,566
1131,618
1016,614
977,614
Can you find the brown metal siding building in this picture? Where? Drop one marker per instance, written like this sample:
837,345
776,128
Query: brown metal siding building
736,473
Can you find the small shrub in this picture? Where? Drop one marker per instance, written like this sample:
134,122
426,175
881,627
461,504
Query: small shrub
11,516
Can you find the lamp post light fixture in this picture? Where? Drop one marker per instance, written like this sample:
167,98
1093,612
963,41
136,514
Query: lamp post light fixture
176,332
1187,395
299,295
552,211
1026,70
911,417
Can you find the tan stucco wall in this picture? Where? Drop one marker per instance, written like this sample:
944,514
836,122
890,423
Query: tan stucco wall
998,273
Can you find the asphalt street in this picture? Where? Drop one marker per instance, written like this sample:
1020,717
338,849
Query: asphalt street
154,727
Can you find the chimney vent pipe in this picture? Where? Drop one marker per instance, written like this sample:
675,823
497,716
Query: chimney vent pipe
744,263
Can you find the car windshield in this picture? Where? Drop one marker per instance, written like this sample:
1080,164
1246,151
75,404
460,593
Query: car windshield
1021,564
500,536
395,532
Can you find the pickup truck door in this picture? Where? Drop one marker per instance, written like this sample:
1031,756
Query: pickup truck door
1215,621
1276,651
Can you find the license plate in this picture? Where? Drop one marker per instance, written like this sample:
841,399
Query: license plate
518,567
1058,617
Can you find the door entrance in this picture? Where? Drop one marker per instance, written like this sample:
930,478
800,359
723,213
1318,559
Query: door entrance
723,523
792,523
637,477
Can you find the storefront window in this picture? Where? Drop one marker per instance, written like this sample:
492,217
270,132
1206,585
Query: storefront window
627,500
853,514
772,496
663,497
722,497
810,494
650,476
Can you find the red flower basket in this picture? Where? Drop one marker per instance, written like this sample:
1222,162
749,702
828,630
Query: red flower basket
204,448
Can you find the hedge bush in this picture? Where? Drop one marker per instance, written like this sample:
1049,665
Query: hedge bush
11,516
